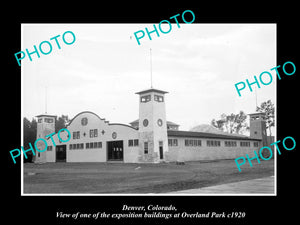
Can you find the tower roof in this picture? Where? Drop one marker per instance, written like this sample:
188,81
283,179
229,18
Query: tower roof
45,115
256,114
151,90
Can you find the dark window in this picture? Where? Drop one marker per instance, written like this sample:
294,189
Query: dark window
230,143
48,120
146,147
195,142
189,142
130,143
199,142
91,133
186,142
146,98
158,98
211,143
76,135
245,144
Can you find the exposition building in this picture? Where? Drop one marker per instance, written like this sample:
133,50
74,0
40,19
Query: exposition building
150,139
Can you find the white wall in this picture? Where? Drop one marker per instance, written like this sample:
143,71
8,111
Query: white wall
204,152
94,154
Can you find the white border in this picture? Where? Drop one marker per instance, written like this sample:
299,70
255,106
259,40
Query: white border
153,194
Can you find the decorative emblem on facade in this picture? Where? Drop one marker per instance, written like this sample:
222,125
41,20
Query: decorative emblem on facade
145,122
84,121
114,135
159,122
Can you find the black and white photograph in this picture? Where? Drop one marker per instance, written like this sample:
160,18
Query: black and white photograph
150,115
162,117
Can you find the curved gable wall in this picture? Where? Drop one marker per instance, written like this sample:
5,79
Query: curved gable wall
104,134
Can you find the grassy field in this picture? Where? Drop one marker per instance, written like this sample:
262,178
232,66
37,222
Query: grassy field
136,178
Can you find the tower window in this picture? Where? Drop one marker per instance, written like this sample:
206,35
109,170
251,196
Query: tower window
146,147
158,98
48,120
146,98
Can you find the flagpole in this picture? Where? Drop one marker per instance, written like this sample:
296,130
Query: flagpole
151,67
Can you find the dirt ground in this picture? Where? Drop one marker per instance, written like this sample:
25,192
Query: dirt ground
109,178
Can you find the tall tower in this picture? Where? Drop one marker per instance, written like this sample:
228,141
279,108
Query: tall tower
258,127
153,137
45,126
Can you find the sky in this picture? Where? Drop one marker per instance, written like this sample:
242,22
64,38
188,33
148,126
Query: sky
198,64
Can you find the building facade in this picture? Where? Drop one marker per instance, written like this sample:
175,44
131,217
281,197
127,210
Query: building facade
150,139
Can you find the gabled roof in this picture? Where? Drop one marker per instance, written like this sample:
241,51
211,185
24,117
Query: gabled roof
180,133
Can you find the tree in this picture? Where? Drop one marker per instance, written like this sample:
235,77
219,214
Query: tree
30,129
61,122
232,123
29,136
269,110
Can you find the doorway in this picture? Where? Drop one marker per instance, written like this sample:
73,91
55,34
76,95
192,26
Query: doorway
161,150
61,153
115,151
